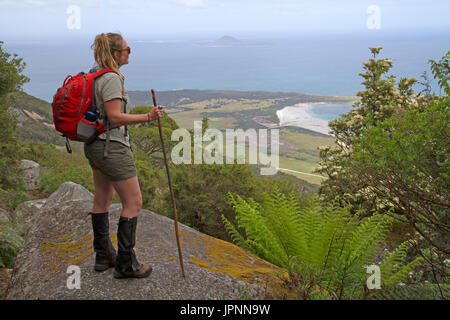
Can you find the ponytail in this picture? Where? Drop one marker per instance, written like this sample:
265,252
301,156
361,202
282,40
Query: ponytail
104,45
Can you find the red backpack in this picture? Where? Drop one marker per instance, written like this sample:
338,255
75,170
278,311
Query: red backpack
74,108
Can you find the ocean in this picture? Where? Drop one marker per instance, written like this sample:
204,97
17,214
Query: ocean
328,111
325,65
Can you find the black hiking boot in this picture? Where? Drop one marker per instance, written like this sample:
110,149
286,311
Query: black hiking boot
127,265
105,254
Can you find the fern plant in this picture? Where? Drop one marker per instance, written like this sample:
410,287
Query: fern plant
325,248
423,291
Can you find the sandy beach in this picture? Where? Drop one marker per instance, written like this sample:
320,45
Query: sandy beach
299,116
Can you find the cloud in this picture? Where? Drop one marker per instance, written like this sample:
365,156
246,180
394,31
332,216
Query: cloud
36,3
33,4
191,3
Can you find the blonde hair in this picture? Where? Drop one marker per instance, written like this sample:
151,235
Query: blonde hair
104,45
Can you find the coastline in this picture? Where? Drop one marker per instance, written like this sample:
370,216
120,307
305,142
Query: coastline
298,116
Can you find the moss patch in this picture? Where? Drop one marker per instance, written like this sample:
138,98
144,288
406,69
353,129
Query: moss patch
71,252
225,257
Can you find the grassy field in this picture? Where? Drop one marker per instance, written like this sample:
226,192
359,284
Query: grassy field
223,113
305,142
301,155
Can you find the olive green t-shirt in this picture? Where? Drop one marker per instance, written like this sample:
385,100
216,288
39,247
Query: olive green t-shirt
108,87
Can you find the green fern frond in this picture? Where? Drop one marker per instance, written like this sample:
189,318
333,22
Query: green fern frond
256,227
402,273
277,258
235,236
281,213
369,235
394,260
323,244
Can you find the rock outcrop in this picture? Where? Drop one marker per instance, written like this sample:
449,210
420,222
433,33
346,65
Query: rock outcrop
59,234
4,216
31,174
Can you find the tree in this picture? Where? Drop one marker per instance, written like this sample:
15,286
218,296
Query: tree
11,187
406,160
393,151
11,81
11,77
379,101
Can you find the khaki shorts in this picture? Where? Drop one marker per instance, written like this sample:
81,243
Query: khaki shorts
119,165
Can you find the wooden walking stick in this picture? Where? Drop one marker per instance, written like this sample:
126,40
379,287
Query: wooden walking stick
170,187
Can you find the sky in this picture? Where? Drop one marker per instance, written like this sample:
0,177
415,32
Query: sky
157,19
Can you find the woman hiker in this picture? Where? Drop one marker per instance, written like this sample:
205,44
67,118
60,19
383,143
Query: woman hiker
117,170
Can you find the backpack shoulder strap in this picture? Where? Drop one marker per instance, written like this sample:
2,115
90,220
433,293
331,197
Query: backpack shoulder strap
96,75
108,138
94,105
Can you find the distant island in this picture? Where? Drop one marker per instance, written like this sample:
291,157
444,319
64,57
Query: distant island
228,41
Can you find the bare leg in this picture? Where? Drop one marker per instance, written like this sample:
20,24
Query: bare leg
130,194
104,192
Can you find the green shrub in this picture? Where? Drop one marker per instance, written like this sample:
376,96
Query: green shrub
10,243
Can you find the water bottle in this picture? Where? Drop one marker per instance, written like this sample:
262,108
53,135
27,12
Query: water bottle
90,116
87,131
